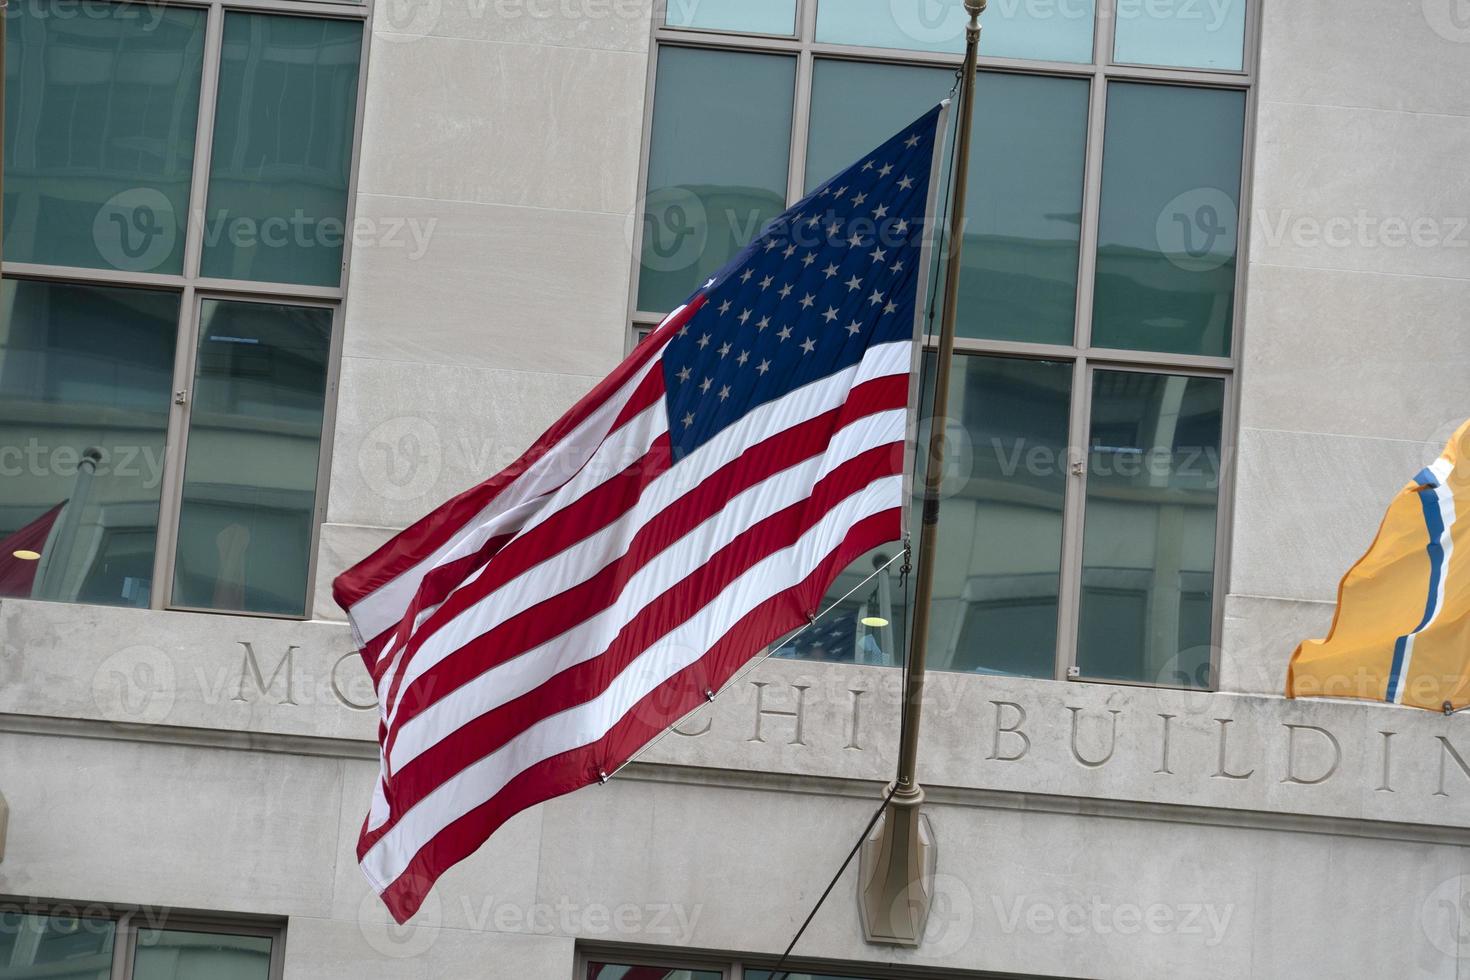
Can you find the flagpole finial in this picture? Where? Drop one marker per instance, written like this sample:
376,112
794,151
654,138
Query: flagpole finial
975,8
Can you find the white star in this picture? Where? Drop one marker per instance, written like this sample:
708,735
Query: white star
807,301
709,283
824,192
766,282
808,260
857,201
784,333
912,141
878,254
876,298
840,191
724,349
724,392
688,420
703,341
745,276
789,251
684,374
704,385
744,316
902,227
854,328
786,289
813,221
906,183
897,266
886,169
762,323
890,308
855,240
833,228
763,366
724,307
831,314
771,243
808,345
744,356
854,283
831,270
882,211
868,165
684,330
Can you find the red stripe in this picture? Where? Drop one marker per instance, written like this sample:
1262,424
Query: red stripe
411,546
490,731
535,625
667,704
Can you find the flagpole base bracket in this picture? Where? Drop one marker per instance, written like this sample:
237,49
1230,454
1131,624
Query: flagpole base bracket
896,874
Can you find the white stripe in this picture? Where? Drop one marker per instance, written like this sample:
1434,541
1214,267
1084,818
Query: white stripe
385,606
1444,496
583,560
591,638
588,722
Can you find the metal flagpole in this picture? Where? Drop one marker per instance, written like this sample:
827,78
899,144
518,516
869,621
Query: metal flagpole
897,865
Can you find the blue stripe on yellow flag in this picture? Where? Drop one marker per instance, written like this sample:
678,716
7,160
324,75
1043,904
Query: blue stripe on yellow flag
1401,633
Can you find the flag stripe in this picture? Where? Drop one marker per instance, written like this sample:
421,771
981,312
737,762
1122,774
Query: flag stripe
1438,503
770,578
657,525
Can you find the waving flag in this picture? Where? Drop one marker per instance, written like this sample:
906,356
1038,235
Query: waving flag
1402,629
533,633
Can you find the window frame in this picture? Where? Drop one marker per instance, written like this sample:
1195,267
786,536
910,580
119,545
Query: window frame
192,289
129,920
1101,73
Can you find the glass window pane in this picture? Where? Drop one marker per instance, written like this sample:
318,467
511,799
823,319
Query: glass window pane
1019,279
717,165
56,947
752,16
100,115
1024,210
255,431
282,149
170,954
1170,201
85,377
1148,556
1054,30
999,568
624,971
1182,34
863,619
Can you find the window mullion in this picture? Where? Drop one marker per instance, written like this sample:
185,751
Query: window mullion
1091,209
1069,602
800,126
203,141
175,447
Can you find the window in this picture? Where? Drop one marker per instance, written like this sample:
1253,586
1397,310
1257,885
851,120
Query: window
613,965
1093,391
96,942
175,215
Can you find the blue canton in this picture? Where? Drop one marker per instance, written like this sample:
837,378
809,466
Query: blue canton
829,278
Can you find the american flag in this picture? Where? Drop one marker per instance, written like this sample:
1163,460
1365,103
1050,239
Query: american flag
536,631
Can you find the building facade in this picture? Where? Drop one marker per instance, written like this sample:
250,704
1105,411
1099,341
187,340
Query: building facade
282,275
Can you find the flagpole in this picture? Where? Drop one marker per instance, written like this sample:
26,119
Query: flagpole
897,868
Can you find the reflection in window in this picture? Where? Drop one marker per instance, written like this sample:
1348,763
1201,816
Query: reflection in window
55,947
282,149
1148,555
717,165
747,16
997,578
1167,233
1185,35
1057,31
171,954
623,971
99,135
85,374
251,465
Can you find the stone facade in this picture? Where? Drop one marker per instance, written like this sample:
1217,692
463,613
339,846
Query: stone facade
223,764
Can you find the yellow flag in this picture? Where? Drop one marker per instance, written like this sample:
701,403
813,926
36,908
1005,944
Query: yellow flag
1401,633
